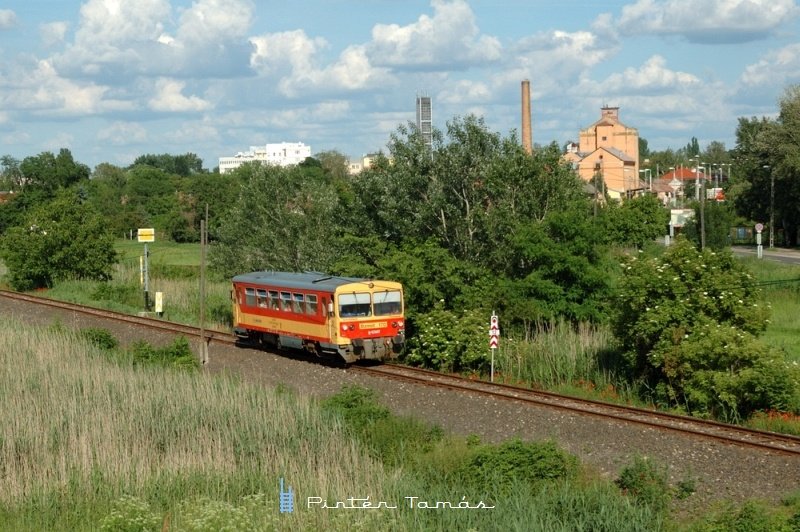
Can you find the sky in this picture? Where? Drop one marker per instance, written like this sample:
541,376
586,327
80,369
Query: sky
112,79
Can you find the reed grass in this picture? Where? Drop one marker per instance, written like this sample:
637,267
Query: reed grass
78,432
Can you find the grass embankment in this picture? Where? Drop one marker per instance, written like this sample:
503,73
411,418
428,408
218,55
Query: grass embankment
174,270
92,438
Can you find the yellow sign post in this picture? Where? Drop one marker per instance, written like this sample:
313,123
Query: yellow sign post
146,235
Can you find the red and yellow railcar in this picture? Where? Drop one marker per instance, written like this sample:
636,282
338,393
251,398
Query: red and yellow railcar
348,317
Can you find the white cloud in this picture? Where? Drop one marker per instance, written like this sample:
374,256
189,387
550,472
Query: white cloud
775,68
122,134
8,19
450,38
291,57
169,98
41,90
651,76
215,21
120,40
465,91
53,33
709,21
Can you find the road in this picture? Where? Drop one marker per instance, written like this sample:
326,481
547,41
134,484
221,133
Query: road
789,256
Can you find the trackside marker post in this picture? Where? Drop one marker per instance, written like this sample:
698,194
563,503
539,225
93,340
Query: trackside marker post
494,340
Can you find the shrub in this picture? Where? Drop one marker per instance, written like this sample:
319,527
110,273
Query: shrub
646,482
688,323
131,514
501,466
449,341
101,338
178,354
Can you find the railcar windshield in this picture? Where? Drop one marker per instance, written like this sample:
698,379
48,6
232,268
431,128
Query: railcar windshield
387,302
354,305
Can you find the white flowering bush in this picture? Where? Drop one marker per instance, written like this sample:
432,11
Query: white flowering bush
688,322
450,341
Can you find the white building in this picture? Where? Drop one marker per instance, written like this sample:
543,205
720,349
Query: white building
283,154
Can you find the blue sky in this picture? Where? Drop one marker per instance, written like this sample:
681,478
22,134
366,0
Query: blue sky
114,79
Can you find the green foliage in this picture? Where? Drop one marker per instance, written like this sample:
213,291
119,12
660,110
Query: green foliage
394,440
719,218
637,222
101,338
499,467
356,406
284,219
646,482
449,340
750,517
688,323
176,355
131,514
63,239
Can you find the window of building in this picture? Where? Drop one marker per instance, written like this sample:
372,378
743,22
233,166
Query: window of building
250,297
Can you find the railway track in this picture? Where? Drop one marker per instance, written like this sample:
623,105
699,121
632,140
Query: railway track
694,427
690,427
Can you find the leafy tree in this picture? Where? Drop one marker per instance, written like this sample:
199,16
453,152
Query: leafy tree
719,218
637,222
767,164
62,239
283,220
688,323
10,173
50,173
182,165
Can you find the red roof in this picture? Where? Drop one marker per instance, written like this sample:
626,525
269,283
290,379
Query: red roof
682,174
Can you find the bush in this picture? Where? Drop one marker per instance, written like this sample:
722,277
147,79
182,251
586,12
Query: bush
449,341
688,323
646,482
101,338
501,466
131,514
177,355
394,440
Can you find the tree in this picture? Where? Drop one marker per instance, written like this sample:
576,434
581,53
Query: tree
182,165
62,239
10,173
636,222
688,323
50,173
284,219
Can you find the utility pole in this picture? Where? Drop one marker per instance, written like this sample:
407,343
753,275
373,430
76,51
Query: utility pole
771,206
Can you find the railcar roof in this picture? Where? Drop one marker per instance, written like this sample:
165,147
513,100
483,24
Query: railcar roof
302,281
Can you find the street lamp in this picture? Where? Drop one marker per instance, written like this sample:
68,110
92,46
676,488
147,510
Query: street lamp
771,206
648,174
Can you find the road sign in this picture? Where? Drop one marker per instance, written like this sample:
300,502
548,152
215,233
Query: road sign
493,342
759,227
146,235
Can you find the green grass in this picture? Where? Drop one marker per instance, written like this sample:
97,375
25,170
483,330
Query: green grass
160,251
104,444
781,288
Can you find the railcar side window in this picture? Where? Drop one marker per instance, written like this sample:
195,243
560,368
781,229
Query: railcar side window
311,304
261,298
353,305
274,300
387,302
250,297
286,301
299,305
